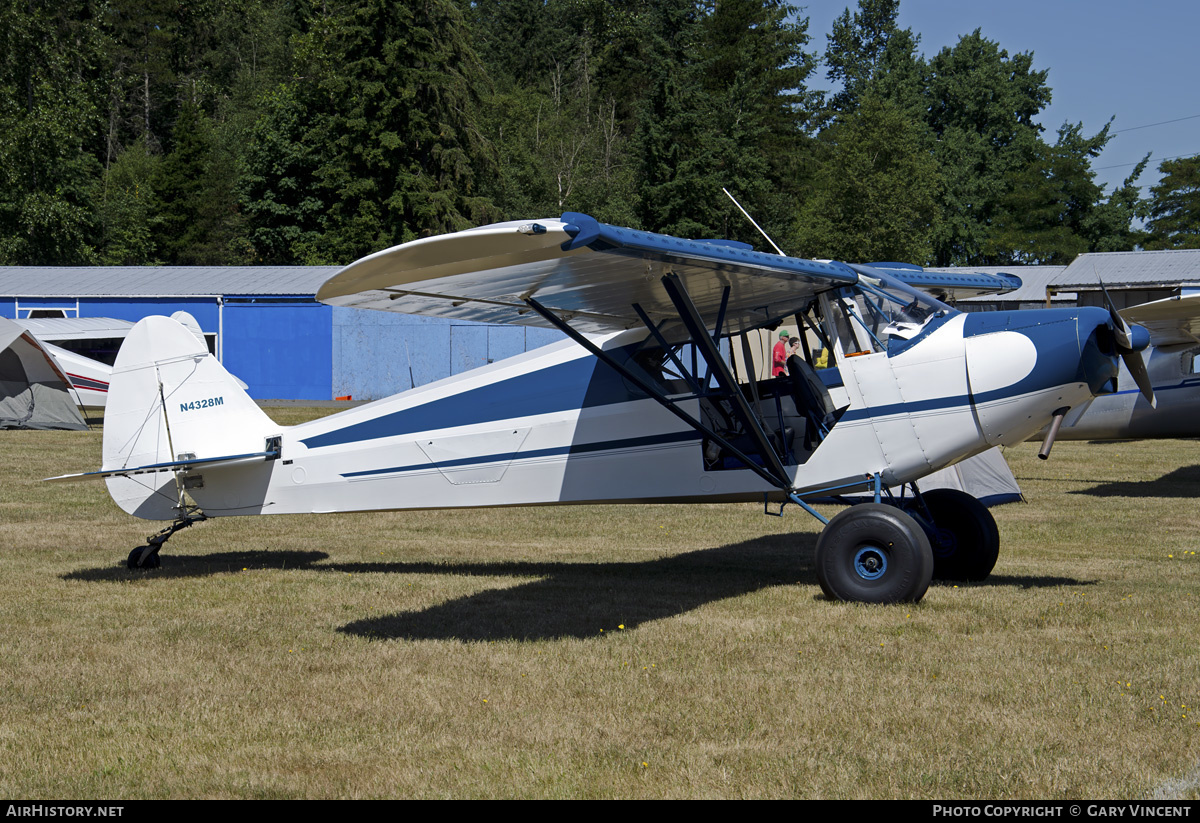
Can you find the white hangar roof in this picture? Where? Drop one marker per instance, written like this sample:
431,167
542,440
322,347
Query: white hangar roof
1131,269
161,281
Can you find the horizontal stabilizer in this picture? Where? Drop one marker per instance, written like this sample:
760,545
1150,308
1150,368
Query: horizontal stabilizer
175,465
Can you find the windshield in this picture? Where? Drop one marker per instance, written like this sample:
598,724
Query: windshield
881,312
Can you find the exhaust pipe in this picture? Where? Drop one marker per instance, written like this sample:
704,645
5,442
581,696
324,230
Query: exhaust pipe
1055,422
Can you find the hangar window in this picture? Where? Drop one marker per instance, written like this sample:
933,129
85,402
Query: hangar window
37,314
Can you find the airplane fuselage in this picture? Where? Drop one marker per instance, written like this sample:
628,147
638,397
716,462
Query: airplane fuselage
642,403
558,426
1127,414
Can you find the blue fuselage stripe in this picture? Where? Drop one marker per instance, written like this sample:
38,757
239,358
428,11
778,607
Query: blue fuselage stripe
570,450
576,384
585,382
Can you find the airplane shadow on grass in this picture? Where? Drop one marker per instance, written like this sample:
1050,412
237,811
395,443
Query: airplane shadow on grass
581,599
1183,482
179,566
562,599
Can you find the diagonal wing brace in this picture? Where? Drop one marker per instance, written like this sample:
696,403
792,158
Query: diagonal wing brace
773,471
712,357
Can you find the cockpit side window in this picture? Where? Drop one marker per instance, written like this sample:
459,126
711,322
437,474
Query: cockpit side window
881,315
855,323
1191,361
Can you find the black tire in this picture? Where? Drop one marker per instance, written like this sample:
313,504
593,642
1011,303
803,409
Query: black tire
137,561
872,553
963,535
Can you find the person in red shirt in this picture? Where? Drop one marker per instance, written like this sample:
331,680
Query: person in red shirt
779,355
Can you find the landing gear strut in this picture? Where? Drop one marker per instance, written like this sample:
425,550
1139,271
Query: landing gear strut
146,557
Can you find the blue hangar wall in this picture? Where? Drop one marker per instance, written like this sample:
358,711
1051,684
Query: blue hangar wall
377,354
294,348
278,345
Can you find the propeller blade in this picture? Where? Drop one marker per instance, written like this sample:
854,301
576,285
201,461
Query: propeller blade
1130,345
1121,333
1120,327
1137,368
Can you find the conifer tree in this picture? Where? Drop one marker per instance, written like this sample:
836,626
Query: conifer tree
391,98
49,125
1175,206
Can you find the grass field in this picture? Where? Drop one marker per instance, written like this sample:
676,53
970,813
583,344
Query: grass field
639,651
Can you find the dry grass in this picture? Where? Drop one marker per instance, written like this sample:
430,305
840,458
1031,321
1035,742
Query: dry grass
481,654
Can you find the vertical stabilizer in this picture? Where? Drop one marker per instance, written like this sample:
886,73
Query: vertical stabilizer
169,400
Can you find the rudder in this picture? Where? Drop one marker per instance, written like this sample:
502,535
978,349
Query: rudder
170,399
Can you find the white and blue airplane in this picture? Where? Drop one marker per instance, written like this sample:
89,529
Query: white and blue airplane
642,403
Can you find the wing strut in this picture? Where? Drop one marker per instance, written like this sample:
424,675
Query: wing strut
772,471
712,356
716,335
689,376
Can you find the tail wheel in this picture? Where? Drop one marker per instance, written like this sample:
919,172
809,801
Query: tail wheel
872,553
963,535
144,557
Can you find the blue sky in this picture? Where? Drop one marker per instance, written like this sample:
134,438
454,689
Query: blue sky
1134,60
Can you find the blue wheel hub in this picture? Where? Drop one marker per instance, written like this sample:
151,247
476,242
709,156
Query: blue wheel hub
870,563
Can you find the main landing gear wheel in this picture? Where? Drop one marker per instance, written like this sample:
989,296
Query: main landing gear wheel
963,535
873,553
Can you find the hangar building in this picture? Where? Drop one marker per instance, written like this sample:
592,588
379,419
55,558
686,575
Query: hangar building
1130,277
266,327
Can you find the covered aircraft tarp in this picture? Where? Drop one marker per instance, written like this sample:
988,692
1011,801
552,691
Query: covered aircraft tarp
34,393
985,476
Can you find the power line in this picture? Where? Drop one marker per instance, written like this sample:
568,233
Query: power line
1125,165
1163,123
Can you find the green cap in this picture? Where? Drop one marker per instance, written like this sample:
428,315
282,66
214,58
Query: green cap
783,333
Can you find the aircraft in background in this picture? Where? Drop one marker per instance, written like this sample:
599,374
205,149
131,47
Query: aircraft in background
85,348
88,378
642,403
1124,413
94,340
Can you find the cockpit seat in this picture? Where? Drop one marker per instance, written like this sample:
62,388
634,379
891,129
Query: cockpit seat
812,401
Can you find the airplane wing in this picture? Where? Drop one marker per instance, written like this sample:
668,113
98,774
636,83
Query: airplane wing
588,272
1174,321
952,285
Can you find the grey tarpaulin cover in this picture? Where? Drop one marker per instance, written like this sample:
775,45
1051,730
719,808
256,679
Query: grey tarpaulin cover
34,393
985,476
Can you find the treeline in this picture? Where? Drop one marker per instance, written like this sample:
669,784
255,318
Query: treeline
315,131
